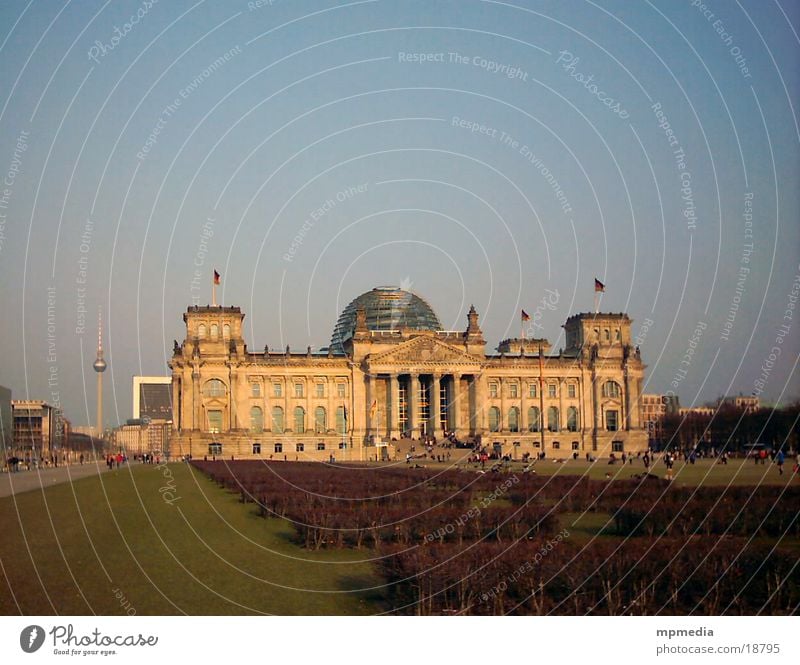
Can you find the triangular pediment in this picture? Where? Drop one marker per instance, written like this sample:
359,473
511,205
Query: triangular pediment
424,351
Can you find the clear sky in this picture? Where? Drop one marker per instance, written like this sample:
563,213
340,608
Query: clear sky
486,153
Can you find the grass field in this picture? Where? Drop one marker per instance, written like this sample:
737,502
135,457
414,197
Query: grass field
167,540
703,472
106,544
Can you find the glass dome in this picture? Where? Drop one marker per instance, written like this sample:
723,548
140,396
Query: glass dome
387,308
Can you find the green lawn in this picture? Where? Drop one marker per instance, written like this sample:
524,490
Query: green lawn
105,544
703,472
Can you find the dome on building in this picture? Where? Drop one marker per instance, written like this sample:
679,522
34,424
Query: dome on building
387,308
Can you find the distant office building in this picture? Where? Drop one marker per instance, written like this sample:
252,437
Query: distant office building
707,411
38,428
6,421
654,409
746,403
152,397
139,437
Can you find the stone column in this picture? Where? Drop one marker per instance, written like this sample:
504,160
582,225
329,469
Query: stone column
394,411
197,422
503,415
436,403
176,402
413,405
523,406
330,419
368,383
455,403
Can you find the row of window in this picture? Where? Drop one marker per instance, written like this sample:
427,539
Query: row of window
610,389
217,388
216,448
203,332
553,419
278,426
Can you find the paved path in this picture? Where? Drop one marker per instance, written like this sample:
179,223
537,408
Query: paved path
25,481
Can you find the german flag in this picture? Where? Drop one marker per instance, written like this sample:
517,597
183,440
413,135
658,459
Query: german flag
599,287
524,316
217,277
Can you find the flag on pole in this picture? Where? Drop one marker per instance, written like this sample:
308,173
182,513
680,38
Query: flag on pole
599,287
525,316
217,277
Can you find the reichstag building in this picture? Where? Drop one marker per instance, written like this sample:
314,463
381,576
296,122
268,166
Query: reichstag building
390,373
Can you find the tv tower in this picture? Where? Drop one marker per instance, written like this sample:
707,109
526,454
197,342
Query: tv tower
99,367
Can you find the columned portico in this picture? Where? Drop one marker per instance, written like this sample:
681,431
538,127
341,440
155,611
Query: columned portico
435,405
394,409
413,405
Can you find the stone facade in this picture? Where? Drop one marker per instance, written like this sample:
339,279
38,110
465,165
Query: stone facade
381,385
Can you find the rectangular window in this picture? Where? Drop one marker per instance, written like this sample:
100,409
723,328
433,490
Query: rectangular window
215,421
492,390
617,446
571,390
320,387
532,390
513,390
255,389
576,445
298,389
215,449
321,445
342,445
300,447
277,390
341,390
551,390
278,447
556,445
256,449
611,421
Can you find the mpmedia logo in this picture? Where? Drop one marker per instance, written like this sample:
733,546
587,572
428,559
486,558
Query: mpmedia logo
31,638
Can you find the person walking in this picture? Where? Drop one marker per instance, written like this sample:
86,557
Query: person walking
779,460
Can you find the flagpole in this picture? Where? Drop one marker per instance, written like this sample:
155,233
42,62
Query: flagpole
596,301
213,290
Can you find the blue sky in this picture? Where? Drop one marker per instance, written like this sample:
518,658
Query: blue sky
483,152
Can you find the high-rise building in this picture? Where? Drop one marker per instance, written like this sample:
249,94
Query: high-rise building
6,423
38,429
152,397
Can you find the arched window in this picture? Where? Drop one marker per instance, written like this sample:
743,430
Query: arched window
256,419
513,419
299,419
552,419
226,331
341,420
201,330
533,419
494,419
572,419
611,389
616,334
277,420
214,331
608,335
320,420
214,388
